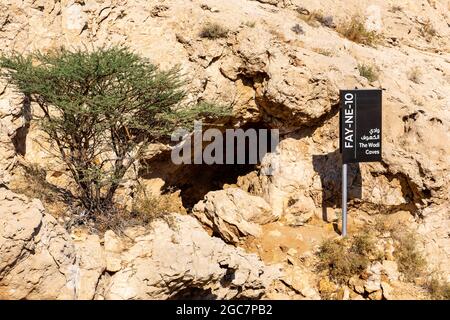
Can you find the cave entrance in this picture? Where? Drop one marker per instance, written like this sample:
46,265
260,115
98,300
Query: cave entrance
195,180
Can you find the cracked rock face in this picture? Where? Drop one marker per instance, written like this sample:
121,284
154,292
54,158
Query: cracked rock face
40,260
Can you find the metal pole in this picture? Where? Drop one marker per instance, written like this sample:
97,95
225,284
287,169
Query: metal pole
344,200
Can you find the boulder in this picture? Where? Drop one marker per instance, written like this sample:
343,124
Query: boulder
233,213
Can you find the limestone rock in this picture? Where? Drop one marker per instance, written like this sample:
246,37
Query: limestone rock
38,259
390,269
233,213
376,295
90,266
186,261
387,290
113,248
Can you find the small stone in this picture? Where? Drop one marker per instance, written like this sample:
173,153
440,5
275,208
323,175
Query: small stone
372,286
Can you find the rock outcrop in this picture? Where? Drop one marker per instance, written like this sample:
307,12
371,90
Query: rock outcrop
185,262
278,69
38,256
40,260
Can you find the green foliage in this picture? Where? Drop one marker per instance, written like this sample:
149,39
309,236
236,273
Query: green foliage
356,31
213,31
101,109
368,71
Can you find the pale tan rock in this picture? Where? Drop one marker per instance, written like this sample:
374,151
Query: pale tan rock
387,290
233,212
90,266
376,295
113,247
172,260
38,259
390,269
280,78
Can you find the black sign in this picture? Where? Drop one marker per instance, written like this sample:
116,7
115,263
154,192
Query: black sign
360,125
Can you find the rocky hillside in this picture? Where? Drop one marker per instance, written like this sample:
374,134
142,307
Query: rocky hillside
234,232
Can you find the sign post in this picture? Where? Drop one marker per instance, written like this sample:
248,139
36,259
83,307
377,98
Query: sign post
359,133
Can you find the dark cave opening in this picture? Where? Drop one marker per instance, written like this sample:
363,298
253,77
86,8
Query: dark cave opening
195,180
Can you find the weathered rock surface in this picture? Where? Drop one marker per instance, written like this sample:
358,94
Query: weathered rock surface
40,260
38,257
171,263
233,213
275,76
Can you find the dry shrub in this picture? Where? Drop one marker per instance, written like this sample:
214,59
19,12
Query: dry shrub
396,9
364,244
31,181
368,71
297,29
37,185
410,260
341,259
415,74
427,30
438,289
148,207
324,52
213,31
355,30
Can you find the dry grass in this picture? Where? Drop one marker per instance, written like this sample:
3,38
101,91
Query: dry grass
396,9
324,52
410,261
342,259
415,74
150,207
213,31
368,71
438,289
427,30
31,181
355,30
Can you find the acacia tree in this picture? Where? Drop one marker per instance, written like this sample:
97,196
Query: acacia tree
101,109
